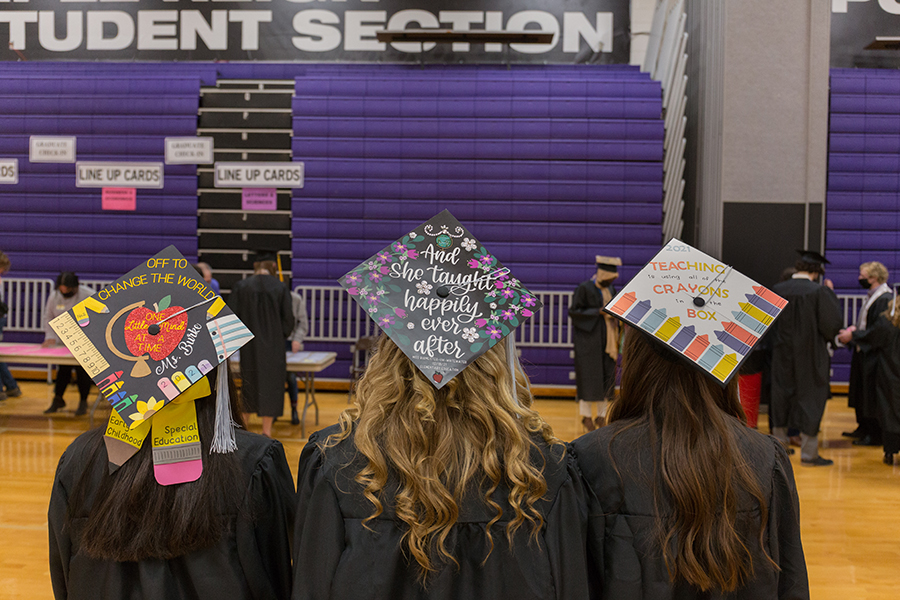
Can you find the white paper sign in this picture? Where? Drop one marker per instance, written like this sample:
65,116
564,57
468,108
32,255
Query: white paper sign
119,174
259,174
189,150
51,149
9,170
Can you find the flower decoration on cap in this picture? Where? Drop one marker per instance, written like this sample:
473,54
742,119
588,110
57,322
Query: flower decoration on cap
699,308
442,297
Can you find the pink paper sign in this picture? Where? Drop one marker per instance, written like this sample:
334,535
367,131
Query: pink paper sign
259,198
119,199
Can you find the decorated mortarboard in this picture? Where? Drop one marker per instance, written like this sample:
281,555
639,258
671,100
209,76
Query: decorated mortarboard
811,256
699,308
148,340
440,296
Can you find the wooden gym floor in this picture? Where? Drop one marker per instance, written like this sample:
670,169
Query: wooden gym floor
850,512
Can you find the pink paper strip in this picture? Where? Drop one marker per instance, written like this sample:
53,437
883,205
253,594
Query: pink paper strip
119,199
259,198
36,350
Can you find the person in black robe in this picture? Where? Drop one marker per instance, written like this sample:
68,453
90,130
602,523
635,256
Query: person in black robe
249,493
862,396
882,342
263,303
800,356
345,547
596,338
674,429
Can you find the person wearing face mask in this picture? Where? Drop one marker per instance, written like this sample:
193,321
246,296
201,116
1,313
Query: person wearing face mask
596,338
67,294
863,363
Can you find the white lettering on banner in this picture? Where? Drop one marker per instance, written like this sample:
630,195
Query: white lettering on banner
261,174
890,6
840,6
119,174
9,171
317,30
422,18
317,33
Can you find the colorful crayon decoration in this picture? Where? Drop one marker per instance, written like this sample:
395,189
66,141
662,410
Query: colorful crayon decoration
80,310
725,367
732,342
748,321
767,294
193,373
654,320
215,308
711,357
756,313
763,304
697,347
684,337
637,313
168,388
668,328
623,303
740,333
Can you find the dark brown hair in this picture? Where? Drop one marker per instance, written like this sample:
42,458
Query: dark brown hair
131,517
698,471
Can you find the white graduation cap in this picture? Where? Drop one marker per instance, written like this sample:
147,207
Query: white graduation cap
699,308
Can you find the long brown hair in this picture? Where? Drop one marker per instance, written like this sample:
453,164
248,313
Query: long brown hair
437,442
131,517
699,470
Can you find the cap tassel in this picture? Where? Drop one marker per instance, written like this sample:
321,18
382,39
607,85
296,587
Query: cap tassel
223,436
512,359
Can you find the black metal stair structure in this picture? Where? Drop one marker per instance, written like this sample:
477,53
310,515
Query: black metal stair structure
249,120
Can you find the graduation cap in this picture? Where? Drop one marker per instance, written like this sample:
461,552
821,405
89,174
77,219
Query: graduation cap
441,296
608,263
699,308
813,257
148,340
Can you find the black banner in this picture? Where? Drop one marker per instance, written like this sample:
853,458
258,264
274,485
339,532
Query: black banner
855,24
596,31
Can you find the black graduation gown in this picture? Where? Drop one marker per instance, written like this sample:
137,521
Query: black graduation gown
883,341
800,359
263,303
337,556
251,560
863,367
624,561
595,370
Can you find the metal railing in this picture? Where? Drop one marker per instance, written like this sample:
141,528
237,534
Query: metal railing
335,317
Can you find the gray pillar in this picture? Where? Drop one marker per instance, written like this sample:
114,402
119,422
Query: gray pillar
757,130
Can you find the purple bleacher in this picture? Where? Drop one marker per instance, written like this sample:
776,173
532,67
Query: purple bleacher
548,166
863,204
118,112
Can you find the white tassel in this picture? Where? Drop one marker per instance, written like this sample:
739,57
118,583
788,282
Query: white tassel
223,436
513,362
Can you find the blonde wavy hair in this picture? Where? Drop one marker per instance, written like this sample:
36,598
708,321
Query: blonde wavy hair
438,442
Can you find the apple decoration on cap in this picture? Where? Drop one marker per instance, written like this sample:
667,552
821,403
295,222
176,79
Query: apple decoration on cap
152,332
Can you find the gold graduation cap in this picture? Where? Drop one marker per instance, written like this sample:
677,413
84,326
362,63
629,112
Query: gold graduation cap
699,308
